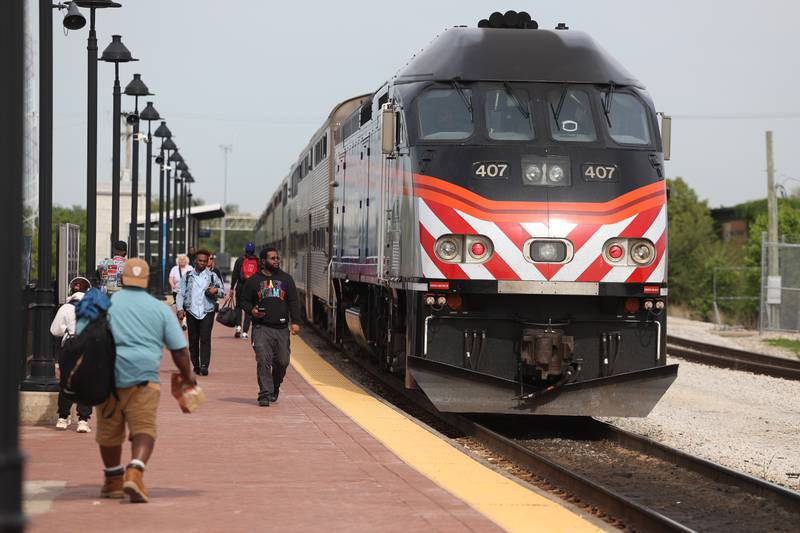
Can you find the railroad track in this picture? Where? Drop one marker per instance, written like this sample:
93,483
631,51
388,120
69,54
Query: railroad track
732,358
637,482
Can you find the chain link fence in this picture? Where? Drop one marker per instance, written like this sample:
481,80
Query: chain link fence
735,294
780,291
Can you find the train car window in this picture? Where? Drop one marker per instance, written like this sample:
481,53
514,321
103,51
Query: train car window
508,116
571,116
444,115
627,118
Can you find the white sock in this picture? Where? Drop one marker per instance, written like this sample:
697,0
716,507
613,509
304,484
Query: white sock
137,463
114,470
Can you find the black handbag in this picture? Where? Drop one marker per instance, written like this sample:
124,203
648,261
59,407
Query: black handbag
227,314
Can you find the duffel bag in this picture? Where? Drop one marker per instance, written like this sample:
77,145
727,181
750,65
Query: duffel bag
227,314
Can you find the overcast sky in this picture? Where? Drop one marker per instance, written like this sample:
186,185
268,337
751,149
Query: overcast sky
262,76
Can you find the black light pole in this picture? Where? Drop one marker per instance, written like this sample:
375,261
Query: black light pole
42,368
135,88
181,165
91,133
188,180
165,135
11,152
116,53
175,158
149,114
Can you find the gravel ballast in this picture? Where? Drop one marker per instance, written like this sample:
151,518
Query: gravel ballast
744,421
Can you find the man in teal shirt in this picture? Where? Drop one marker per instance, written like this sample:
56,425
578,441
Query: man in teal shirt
141,326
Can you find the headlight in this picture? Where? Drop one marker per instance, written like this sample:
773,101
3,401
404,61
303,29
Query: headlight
548,251
546,171
533,174
447,249
555,174
643,252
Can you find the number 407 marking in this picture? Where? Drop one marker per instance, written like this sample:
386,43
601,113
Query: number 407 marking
491,170
600,172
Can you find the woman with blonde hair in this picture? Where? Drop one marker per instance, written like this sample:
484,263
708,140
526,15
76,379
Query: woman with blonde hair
180,269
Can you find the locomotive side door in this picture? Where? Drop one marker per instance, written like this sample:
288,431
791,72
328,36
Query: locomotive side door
338,206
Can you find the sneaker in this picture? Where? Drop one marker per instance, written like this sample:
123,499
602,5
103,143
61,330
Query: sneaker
274,396
63,423
238,332
263,402
244,335
134,485
83,426
112,487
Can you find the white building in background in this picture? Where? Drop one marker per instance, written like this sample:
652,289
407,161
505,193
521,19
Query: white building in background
103,243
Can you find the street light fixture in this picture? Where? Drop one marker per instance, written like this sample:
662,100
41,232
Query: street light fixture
135,88
74,19
116,53
149,114
91,129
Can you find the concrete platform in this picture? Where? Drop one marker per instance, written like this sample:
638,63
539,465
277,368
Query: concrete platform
327,456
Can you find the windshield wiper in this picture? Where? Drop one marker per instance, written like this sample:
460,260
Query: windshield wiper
525,112
557,111
463,95
607,101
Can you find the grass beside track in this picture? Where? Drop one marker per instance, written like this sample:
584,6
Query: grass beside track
789,344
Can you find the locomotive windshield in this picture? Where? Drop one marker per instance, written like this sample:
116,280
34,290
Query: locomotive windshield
508,115
445,114
571,115
532,112
628,119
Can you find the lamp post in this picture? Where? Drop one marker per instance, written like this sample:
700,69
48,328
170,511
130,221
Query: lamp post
183,167
91,131
12,41
188,180
166,144
176,158
116,53
149,114
135,88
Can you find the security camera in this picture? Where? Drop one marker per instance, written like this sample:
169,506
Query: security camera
159,159
132,119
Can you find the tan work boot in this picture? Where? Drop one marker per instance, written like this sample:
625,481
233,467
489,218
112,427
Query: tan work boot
112,487
134,485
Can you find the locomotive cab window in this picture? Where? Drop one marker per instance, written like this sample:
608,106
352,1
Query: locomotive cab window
627,118
571,116
445,115
508,115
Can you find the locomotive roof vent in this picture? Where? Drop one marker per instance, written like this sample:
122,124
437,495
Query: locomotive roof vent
562,26
511,19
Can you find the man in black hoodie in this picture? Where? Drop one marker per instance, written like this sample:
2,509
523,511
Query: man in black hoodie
270,297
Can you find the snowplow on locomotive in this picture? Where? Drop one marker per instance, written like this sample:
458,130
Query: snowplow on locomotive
491,224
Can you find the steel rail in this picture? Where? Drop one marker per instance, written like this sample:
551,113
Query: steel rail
732,358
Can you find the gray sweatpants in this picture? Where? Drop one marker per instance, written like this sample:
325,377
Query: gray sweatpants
272,357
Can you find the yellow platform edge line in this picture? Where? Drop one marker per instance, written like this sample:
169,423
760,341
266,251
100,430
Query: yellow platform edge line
508,504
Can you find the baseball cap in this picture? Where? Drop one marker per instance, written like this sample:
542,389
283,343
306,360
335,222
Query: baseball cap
136,273
250,248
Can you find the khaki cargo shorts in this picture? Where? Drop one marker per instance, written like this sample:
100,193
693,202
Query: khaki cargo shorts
137,406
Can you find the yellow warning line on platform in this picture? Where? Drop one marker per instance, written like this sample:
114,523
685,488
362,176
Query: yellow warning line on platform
510,505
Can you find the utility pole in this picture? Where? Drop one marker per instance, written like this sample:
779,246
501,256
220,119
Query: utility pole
226,149
773,266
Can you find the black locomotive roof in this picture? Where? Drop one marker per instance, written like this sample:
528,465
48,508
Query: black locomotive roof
473,54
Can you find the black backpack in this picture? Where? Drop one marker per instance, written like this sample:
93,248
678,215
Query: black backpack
87,364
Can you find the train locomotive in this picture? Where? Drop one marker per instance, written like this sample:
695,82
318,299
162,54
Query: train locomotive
491,225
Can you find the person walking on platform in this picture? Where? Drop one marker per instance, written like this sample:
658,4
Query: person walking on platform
109,271
243,269
142,327
197,298
63,327
212,266
180,269
270,297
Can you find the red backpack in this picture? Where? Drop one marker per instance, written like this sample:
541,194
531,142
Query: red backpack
249,267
